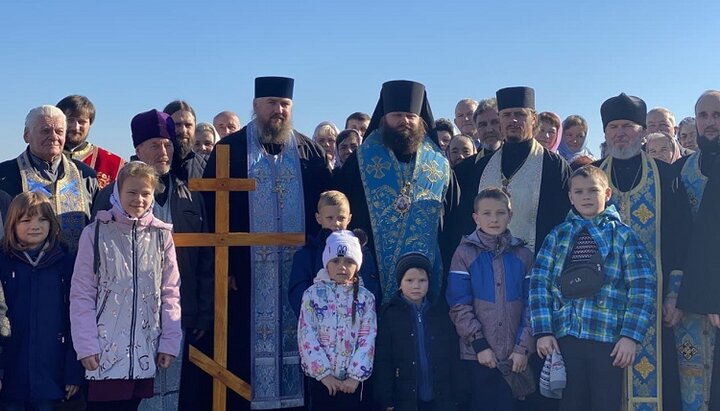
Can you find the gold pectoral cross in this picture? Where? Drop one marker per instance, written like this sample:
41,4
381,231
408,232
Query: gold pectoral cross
505,183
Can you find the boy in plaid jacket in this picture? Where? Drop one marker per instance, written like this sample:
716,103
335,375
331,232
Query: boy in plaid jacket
597,335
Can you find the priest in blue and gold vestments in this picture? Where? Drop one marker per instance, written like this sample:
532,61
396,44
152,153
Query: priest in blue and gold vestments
290,171
644,194
399,183
697,334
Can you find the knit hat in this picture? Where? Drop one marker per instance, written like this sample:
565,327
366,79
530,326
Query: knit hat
624,107
152,124
342,244
521,384
552,377
412,260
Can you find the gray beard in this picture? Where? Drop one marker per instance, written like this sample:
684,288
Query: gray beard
624,153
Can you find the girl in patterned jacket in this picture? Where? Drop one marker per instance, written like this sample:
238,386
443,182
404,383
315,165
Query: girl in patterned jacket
337,328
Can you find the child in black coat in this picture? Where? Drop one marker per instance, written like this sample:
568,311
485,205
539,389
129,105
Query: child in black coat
416,347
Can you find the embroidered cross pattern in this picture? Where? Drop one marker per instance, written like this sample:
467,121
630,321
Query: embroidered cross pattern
688,350
432,171
643,213
264,253
284,176
221,240
378,167
644,367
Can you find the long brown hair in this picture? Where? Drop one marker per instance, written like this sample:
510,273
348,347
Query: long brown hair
29,204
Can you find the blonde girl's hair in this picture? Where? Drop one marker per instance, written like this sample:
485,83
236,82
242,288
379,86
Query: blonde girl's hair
29,204
137,169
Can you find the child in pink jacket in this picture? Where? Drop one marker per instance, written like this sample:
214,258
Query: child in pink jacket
125,295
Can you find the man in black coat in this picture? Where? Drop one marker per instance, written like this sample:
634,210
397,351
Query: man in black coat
275,149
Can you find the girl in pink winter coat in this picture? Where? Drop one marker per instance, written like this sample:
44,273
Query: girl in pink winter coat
125,295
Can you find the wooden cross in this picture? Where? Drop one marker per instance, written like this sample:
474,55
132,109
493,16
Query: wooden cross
221,239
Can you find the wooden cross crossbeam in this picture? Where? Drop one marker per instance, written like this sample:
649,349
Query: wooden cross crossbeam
222,239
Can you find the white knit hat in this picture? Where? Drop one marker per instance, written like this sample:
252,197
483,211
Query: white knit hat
342,244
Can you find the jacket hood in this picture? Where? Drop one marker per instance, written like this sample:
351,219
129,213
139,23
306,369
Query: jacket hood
609,215
148,220
323,277
596,226
495,243
50,255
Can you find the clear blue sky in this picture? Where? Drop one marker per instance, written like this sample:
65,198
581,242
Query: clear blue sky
129,56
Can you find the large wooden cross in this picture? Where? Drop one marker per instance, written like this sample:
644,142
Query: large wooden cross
221,239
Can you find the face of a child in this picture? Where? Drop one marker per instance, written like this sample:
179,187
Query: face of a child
136,196
414,285
342,269
492,216
32,231
334,218
588,196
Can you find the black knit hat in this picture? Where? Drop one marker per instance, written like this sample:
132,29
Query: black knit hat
412,260
624,107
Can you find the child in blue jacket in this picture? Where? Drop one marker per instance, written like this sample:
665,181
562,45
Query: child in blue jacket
333,215
39,364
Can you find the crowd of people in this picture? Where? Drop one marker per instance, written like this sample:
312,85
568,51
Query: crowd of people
503,267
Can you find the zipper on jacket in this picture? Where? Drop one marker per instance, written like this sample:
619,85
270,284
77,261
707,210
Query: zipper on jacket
102,305
134,304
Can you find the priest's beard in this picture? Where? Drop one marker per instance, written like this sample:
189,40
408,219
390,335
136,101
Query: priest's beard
274,132
708,146
624,153
404,141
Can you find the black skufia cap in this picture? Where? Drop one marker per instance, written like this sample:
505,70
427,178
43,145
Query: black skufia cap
515,97
274,87
401,95
624,107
